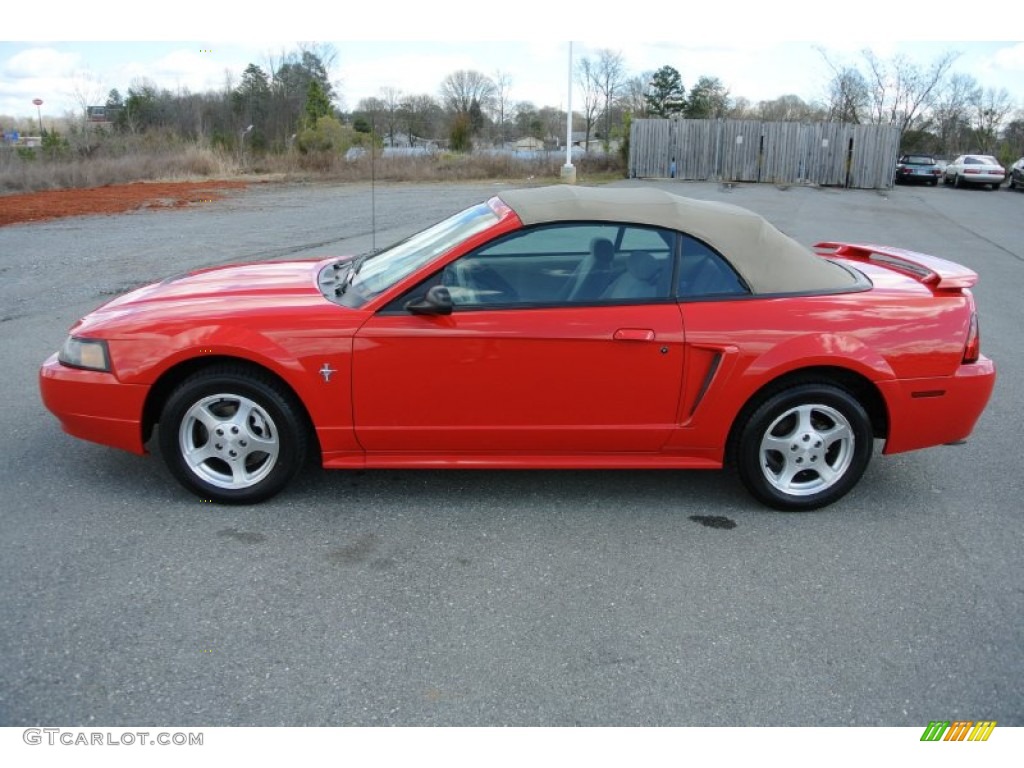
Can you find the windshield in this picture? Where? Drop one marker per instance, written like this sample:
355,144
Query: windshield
919,160
378,272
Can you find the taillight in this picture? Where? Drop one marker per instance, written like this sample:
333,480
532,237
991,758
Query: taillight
972,349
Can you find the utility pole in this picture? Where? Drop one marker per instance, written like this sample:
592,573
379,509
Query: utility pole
568,170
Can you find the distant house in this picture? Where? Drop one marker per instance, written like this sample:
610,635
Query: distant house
102,114
406,140
579,141
528,144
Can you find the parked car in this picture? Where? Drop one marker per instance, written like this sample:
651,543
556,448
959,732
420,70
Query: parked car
975,169
1017,175
917,169
558,327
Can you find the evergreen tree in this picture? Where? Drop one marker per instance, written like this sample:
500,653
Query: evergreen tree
666,97
317,103
708,98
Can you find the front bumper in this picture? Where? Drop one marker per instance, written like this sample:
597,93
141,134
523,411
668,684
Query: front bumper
936,411
94,406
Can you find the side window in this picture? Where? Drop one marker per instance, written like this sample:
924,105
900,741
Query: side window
534,267
704,273
559,265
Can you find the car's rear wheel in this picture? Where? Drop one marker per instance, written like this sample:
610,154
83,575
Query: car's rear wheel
956,181
804,447
232,435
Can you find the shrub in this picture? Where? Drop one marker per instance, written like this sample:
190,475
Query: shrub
327,136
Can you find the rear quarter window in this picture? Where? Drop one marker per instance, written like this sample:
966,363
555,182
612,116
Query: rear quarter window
704,273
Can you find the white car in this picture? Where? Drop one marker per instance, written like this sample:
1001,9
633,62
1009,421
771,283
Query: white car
975,169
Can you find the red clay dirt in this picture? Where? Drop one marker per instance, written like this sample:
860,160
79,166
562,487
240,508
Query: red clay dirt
114,198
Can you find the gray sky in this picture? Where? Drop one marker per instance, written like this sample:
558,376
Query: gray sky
86,57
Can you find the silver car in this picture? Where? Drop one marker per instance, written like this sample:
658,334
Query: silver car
975,169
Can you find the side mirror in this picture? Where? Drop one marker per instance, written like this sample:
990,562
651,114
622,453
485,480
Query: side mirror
438,301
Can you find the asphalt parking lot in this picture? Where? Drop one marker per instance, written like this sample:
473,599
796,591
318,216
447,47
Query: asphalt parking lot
499,598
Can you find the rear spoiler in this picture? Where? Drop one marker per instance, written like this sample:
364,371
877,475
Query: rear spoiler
938,273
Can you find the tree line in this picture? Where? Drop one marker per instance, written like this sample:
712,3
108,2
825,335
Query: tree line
291,103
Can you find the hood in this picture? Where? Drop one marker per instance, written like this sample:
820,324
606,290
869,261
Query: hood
236,291
278,278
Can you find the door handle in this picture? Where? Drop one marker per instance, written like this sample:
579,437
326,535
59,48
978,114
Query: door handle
634,334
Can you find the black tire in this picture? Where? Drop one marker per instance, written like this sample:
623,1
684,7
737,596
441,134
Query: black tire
934,182
956,181
255,412
804,447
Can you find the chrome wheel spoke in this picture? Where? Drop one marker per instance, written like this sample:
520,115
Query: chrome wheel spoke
804,423
827,474
838,433
206,417
199,454
779,444
785,478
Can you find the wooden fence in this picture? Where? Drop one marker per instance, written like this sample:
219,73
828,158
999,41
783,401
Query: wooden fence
828,154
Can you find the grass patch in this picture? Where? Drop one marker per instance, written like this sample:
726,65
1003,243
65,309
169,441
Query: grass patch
129,161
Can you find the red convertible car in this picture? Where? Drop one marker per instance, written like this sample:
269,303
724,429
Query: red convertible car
549,328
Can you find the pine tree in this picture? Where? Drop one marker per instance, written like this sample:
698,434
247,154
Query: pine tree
317,103
666,97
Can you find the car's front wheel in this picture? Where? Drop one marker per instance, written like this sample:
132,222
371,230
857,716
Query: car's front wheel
804,447
232,435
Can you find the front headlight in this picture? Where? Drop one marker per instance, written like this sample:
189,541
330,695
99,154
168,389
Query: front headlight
90,354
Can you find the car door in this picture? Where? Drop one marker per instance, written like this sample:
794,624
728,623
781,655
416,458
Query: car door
561,340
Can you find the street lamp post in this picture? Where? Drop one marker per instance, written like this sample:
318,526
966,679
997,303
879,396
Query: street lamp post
568,170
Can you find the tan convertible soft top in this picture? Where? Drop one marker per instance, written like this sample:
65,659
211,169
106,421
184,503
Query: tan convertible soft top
768,260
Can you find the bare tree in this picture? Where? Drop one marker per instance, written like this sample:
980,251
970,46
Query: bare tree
611,76
391,104
422,116
88,91
900,90
634,94
553,121
953,111
847,92
741,108
789,108
1013,135
588,80
462,88
991,107
502,88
